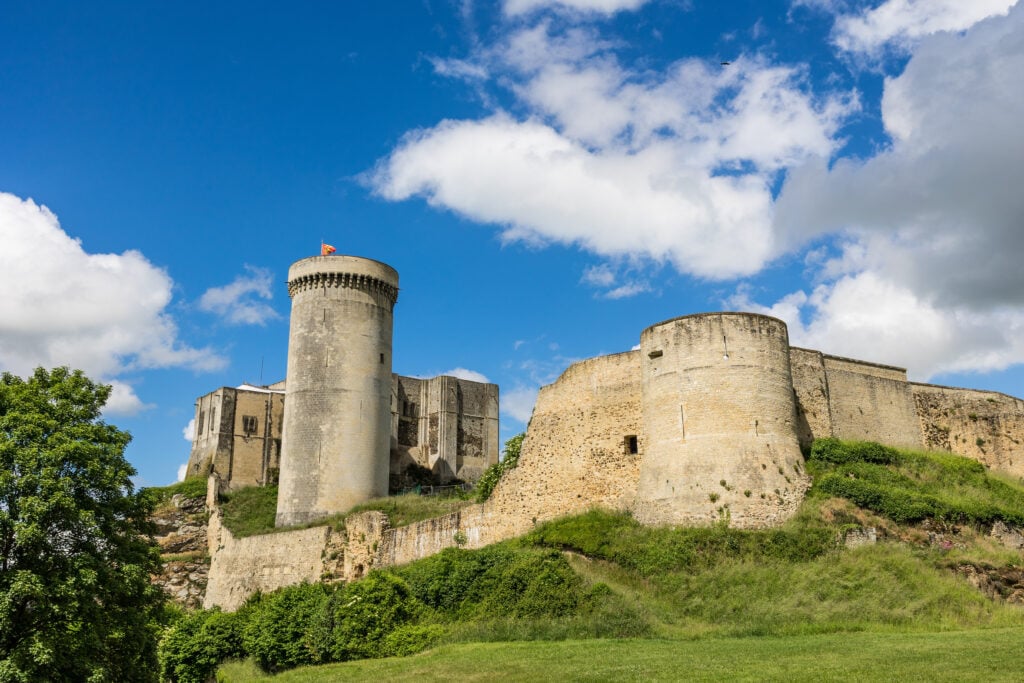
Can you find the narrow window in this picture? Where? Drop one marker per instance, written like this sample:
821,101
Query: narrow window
202,420
682,421
382,359
630,444
249,424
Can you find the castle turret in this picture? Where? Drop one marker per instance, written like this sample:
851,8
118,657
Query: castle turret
719,417
337,414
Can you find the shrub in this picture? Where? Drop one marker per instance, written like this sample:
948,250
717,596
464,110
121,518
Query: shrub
192,648
493,474
280,633
360,617
840,452
495,582
411,638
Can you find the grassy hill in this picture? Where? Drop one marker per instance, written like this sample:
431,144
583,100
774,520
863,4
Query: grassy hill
678,597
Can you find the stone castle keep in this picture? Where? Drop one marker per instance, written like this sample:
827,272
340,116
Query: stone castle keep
705,421
342,426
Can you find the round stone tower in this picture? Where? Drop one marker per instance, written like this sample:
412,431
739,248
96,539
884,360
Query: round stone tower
337,412
719,418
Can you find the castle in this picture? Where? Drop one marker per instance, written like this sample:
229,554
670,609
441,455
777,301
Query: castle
705,421
350,429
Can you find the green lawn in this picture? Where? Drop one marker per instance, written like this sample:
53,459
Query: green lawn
977,655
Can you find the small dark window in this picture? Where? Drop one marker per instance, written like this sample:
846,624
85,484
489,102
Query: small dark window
249,424
382,359
202,420
631,445
655,354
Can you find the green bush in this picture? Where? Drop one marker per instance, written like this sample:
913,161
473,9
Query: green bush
411,638
841,452
192,648
280,632
495,582
909,486
493,474
359,618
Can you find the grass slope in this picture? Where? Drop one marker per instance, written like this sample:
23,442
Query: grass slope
685,602
978,655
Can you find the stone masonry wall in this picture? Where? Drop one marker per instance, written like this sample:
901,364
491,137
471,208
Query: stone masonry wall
720,423
810,384
576,453
871,402
983,425
240,567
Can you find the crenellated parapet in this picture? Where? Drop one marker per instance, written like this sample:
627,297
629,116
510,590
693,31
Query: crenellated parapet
366,283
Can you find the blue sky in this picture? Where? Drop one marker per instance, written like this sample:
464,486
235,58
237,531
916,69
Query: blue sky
549,177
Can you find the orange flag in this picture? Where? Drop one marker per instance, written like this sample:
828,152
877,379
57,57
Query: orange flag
326,249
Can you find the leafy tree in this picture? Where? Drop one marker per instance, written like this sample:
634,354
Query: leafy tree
76,603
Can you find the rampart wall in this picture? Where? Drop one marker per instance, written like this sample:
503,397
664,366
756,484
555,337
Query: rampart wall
870,402
983,425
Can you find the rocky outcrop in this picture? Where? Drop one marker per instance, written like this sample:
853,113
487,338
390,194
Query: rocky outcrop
181,535
998,583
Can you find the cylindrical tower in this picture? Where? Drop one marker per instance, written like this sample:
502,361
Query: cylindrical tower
719,418
337,410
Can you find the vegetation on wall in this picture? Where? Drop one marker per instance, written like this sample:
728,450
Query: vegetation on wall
493,474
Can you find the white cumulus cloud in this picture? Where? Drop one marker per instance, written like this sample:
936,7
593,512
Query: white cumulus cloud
675,166
242,301
606,7
102,313
518,402
928,274
902,22
189,432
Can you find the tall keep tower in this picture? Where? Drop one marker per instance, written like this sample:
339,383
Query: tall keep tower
337,411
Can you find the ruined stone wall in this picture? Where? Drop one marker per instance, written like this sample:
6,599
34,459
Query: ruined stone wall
237,436
983,425
256,438
445,424
206,438
870,402
240,567
719,417
810,384
576,453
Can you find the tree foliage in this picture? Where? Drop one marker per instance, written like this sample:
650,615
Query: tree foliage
76,603
493,474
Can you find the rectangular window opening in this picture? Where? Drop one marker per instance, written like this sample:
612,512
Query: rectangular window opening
249,424
630,444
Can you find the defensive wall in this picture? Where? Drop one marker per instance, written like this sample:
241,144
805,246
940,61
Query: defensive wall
983,425
703,422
